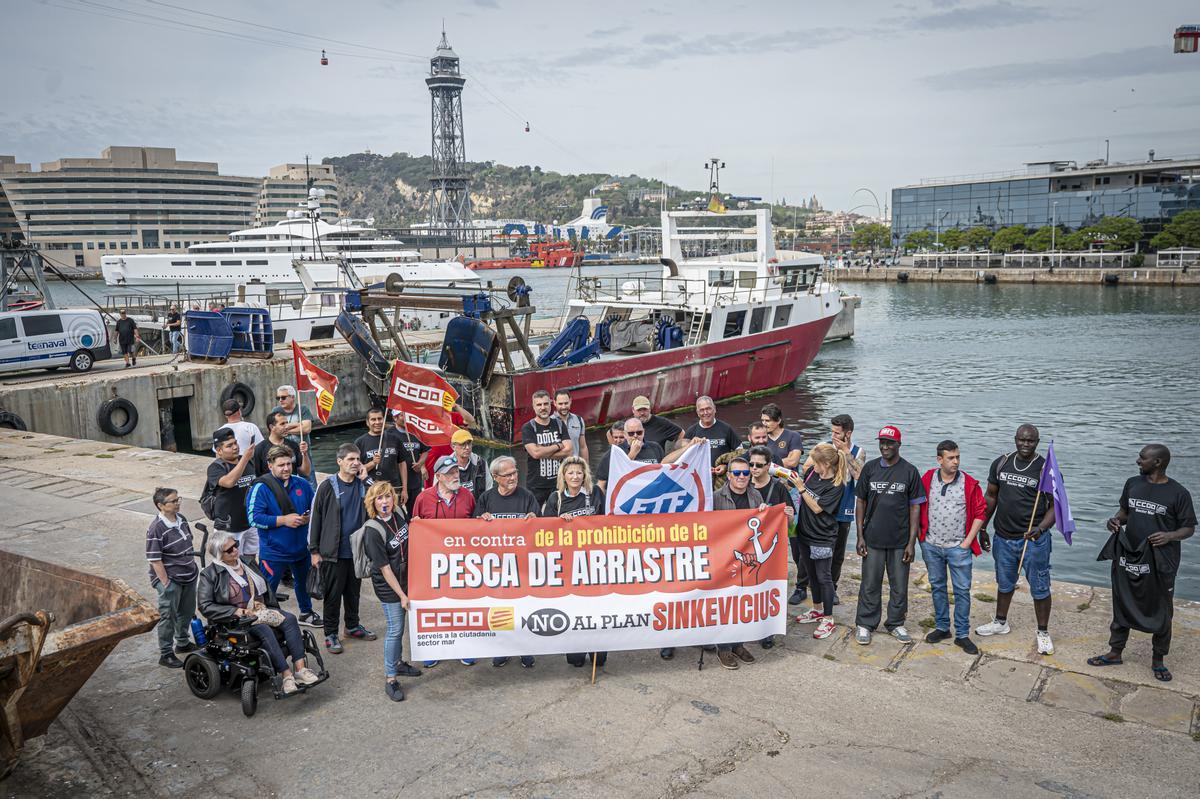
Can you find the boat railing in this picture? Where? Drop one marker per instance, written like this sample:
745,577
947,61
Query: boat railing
156,306
673,292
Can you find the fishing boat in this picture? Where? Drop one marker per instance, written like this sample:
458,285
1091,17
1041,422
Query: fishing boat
727,315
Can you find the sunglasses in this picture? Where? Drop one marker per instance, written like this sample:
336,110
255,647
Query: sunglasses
283,397
638,433
230,548
506,475
758,466
740,472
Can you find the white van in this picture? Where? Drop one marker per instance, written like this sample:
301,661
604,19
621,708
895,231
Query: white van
50,339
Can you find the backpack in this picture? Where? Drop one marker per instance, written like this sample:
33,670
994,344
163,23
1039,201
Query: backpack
358,547
208,501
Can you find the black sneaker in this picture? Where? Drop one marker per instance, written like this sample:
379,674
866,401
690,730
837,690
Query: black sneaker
170,661
394,691
837,600
312,619
282,597
406,669
798,596
362,633
768,642
577,660
527,661
966,645
498,662
667,652
188,647
937,636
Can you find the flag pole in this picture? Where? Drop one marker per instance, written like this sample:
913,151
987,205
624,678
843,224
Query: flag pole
1025,548
593,668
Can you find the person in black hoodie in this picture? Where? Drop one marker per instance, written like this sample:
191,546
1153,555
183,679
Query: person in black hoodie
1155,514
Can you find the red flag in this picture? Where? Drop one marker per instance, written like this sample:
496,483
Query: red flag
424,400
310,378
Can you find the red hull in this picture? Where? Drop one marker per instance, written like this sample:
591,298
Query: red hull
603,391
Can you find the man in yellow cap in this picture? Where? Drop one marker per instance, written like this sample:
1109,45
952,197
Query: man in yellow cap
473,474
661,431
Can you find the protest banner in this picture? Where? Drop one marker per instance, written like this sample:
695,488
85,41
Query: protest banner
424,401
685,485
596,583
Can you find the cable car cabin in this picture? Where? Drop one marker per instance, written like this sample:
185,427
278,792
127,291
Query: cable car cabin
1187,38
324,59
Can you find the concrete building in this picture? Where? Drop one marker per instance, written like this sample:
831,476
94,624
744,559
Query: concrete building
1051,192
286,188
137,199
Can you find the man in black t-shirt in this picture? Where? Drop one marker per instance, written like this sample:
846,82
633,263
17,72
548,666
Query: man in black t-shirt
229,477
128,337
887,513
721,438
636,447
175,329
787,447
1022,516
546,443
505,499
1157,513
661,431
388,462
301,464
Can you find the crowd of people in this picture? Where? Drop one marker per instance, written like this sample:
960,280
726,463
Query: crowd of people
275,523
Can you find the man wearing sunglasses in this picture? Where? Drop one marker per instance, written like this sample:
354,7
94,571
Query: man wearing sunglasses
773,492
299,418
737,494
638,449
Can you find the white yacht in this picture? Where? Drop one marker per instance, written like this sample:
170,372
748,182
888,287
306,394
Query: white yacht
266,254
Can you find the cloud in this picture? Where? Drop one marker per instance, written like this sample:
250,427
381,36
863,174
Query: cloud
1134,62
616,30
990,15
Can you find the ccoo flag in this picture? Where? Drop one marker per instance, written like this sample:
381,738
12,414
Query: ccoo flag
1051,482
424,400
310,378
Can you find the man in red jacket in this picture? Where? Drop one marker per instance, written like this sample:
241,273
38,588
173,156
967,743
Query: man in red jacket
950,522
446,498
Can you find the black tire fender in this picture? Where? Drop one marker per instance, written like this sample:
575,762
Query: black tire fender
243,394
104,416
11,421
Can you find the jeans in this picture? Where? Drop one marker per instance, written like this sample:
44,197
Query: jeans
959,561
337,577
870,591
839,552
176,607
1007,554
393,639
176,340
291,636
820,579
275,569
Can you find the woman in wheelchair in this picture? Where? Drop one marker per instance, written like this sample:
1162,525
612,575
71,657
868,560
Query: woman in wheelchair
231,589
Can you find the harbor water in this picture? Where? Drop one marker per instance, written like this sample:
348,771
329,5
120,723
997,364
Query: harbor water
1100,370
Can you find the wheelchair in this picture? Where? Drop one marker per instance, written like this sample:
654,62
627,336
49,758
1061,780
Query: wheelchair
232,658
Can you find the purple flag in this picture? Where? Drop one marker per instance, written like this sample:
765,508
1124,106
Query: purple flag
1051,482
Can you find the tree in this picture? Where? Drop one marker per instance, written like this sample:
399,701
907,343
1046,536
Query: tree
872,236
918,240
1074,241
1045,238
1117,232
952,239
977,237
1009,239
1182,231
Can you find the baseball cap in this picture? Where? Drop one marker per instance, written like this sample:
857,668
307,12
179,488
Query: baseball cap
230,406
891,432
445,464
461,437
222,435
641,402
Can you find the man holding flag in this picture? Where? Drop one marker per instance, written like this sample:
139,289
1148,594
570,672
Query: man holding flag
1024,498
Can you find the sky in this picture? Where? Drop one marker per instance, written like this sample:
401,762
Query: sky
797,98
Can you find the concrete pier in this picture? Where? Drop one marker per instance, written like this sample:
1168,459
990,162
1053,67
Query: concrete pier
826,717
1124,277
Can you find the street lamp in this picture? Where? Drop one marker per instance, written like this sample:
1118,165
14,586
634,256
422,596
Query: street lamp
937,222
1053,223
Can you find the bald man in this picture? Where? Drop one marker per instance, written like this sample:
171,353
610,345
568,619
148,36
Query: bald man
1022,514
1155,514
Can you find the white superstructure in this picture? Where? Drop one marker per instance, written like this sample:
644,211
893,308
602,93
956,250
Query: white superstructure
266,254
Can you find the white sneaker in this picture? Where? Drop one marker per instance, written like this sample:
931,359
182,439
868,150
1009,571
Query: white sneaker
901,635
862,635
1045,645
994,627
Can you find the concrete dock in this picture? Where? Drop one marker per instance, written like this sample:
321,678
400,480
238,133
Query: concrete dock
827,718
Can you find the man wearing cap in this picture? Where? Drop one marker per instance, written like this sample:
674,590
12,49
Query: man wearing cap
472,472
247,433
229,477
546,444
175,329
887,515
1022,514
658,430
446,498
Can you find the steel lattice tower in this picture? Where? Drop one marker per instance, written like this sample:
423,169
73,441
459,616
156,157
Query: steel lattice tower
449,201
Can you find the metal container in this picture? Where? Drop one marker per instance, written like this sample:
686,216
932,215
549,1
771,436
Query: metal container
58,626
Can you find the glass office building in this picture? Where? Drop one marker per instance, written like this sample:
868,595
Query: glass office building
1050,192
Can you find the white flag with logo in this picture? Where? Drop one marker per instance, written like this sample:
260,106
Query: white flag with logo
685,485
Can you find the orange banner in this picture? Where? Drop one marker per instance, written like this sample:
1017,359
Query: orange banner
540,586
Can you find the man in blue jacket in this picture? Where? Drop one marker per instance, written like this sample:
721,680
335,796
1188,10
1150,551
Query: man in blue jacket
278,507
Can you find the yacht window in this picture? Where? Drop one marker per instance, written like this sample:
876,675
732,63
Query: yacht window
256,263
783,314
733,324
48,325
719,277
181,263
206,263
746,280
231,263
758,320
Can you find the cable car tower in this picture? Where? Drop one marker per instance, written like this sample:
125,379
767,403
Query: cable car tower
449,201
